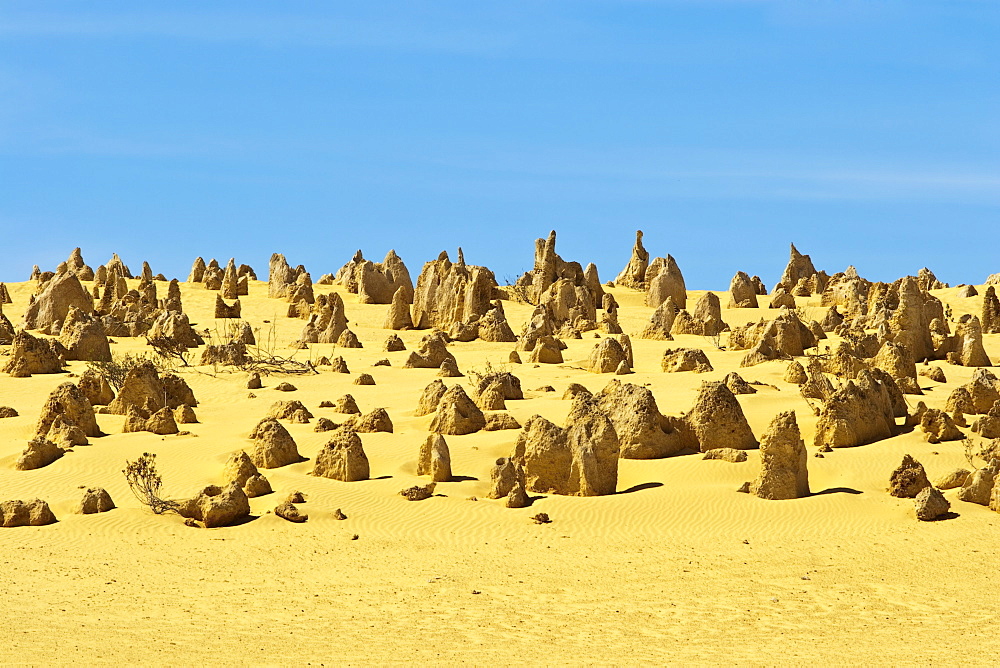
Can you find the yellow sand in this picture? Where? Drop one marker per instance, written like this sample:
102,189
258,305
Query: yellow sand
678,567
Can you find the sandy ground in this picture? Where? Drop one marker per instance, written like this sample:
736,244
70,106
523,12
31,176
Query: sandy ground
676,568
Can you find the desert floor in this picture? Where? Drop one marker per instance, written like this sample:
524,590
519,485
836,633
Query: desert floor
677,567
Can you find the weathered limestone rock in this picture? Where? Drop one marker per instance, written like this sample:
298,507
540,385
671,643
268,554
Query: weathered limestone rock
273,445
895,360
606,357
717,420
83,337
30,355
908,479
727,455
432,352
370,423
434,459
952,479
737,385
910,323
930,504
643,432
580,459
233,353
664,279
969,345
34,512
40,452
176,328
342,458
743,293
493,326
858,413
398,315
490,398
784,336
976,397
782,299
783,460
224,310
505,476
449,369
393,344
991,312
685,359
500,421
795,373
144,389
292,409
979,486
95,500
449,292
68,403
364,379
49,309
547,350
287,511
936,424
430,398
661,322
457,414
348,339
634,273
800,267
218,506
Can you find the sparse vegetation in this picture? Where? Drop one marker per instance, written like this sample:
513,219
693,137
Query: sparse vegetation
118,368
145,483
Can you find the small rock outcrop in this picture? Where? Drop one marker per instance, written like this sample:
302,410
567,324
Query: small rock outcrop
273,445
435,459
908,479
930,504
676,360
342,458
783,460
717,420
95,500
217,506
457,414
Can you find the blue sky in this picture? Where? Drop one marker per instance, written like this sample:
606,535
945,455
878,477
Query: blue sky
866,132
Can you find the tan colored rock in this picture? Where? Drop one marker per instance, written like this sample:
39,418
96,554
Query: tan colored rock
292,409
176,328
68,403
936,424
224,310
162,422
952,479
727,455
418,492
743,293
184,414
969,345
349,339
342,458
430,398
398,315
449,369
737,385
432,352
990,318
491,398
580,459
434,459
685,359
930,504
144,389
83,337
370,423
218,506
783,461
40,452
30,355
288,511
634,273
908,479
505,476
910,323
500,421
449,292
856,414
457,414
273,445
51,306
643,432
935,373
606,357
665,281
34,512
95,500
799,268
717,420
547,350
795,373
364,379
977,396
233,353
661,322
979,486
7,412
